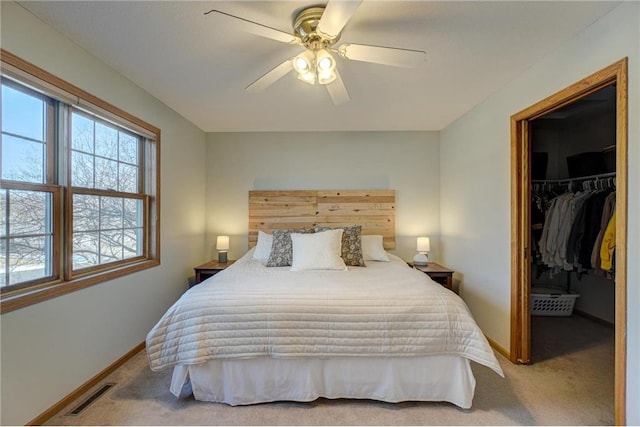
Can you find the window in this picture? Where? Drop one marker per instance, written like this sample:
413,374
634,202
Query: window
79,186
106,202
27,214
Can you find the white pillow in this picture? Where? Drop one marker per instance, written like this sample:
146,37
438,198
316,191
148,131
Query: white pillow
372,249
317,251
263,247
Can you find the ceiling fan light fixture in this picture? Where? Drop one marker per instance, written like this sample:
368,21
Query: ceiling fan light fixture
318,29
325,67
326,77
325,63
301,65
303,62
307,77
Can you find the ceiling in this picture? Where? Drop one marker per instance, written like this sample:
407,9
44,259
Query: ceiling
199,65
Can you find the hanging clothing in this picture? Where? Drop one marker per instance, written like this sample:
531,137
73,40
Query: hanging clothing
593,215
607,213
573,231
585,229
553,230
608,244
564,211
575,206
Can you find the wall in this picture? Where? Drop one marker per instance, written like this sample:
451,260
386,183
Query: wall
50,349
475,180
407,162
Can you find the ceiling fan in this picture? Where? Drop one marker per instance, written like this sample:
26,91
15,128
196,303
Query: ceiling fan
318,29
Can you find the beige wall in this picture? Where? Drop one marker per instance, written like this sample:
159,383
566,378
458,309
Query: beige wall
50,349
475,180
407,162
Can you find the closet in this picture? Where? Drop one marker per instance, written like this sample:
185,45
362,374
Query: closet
573,171
580,118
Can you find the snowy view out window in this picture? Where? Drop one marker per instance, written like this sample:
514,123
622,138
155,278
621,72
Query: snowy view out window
79,195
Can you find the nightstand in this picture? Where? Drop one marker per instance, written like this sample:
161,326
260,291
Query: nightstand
438,273
208,269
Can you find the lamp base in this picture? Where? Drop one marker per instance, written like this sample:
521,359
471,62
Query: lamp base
222,257
420,259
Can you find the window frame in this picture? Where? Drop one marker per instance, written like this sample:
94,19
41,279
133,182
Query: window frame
70,271
56,203
64,279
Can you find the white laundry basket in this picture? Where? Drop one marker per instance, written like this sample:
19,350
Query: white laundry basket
551,302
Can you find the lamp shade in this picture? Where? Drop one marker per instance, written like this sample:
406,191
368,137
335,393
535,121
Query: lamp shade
222,243
423,244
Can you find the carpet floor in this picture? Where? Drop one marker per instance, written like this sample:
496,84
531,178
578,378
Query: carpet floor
569,383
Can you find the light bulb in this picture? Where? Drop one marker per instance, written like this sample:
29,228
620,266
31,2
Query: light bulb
307,77
301,64
325,63
326,77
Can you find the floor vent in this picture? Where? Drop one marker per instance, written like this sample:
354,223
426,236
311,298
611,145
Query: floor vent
92,398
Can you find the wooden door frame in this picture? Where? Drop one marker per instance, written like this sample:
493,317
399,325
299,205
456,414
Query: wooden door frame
520,351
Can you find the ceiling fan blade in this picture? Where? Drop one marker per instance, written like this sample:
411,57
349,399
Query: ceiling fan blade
338,91
270,77
383,55
336,15
257,29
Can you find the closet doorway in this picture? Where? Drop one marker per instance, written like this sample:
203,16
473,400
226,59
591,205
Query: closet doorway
521,195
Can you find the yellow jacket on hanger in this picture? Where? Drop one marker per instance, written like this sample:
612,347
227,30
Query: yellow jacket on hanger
608,244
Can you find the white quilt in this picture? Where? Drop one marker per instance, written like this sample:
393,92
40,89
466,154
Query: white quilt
248,310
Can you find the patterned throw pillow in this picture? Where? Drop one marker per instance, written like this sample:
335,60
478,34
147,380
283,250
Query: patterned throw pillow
351,245
282,249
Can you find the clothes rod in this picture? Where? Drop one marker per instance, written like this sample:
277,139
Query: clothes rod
582,178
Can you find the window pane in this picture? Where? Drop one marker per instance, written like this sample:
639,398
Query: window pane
4,278
110,246
85,250
81,170
111,213
132,243
81,133
29,213
106,174
132,213
128,181
22,114
3,213
128,148
86,213
106,141
29,259
22,160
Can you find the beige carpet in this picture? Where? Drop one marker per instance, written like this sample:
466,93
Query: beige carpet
570,383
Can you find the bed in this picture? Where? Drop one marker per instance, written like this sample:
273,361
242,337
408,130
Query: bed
255,333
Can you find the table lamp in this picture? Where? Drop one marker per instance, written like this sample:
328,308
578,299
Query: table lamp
222,245
422,257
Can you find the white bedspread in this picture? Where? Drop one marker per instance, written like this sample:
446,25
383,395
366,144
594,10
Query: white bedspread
248,310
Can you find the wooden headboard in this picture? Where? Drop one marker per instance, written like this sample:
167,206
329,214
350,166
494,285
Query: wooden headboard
374,210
